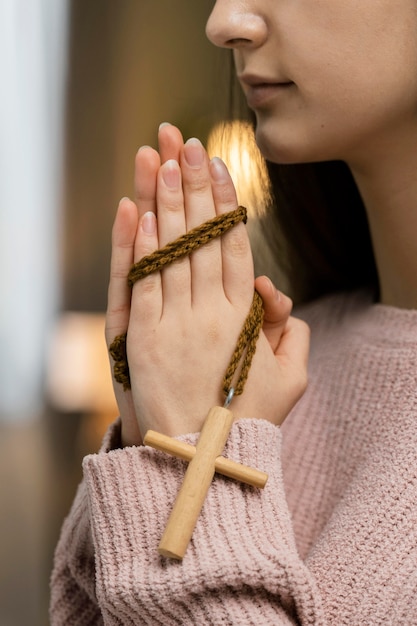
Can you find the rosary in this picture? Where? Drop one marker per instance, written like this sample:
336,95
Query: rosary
205,458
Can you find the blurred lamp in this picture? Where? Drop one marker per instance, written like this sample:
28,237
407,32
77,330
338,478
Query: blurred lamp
78,376
234,142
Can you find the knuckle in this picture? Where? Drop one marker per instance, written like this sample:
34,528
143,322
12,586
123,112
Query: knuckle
172,204
226,195
118,272
147,286
115,313
145,249
210,247
237,244
198,183
299,384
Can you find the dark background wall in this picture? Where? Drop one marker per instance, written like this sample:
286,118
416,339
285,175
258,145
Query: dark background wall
132,65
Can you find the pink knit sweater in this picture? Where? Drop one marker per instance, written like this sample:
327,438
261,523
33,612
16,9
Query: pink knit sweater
331,540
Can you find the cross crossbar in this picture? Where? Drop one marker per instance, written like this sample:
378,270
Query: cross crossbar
223,466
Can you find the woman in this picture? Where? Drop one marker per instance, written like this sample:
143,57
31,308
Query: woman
332,538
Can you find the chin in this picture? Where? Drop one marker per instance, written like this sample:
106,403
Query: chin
286,146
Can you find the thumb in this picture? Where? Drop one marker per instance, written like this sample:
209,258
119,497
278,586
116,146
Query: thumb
277,309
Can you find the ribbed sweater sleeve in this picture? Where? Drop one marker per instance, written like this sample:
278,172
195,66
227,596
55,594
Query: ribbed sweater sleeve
241,567
73,599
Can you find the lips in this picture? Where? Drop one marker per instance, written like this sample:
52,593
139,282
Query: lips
259,90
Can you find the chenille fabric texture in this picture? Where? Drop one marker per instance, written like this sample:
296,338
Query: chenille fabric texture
332,539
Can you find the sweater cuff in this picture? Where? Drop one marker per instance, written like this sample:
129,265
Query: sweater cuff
132,491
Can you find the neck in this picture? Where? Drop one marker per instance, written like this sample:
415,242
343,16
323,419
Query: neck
388,185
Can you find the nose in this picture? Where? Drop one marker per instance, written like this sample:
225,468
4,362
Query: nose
233,25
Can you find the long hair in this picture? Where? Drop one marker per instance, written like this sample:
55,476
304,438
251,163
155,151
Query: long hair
317,224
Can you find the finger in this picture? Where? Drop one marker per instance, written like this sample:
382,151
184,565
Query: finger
147,164
198,196
293,349
146,304
277,309
123,241
237,260
170,142
118,309
171,225
206,262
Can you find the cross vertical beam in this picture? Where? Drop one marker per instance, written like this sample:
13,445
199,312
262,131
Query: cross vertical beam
197,480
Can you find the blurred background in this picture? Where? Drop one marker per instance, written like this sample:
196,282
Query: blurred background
84,84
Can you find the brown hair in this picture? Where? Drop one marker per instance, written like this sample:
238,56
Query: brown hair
318,226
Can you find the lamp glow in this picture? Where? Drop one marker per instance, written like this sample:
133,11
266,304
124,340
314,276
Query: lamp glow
234,142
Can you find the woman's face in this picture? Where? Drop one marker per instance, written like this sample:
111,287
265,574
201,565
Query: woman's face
327,79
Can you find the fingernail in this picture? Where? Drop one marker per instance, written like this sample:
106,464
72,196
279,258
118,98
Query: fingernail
277,294
143,148
171,174
122,201
164,124
149,223
274,291
218,170
194,152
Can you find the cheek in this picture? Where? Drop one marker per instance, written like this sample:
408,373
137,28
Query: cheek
340,46
355,68
371,95
358,96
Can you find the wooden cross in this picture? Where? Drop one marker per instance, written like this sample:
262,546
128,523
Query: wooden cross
204,461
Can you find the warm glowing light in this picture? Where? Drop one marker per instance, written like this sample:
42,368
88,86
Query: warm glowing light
234,142
78,377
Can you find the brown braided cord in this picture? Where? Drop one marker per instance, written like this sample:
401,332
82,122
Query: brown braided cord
183,246
117,350
247,340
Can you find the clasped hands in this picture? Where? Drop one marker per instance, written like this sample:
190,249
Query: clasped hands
183,322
